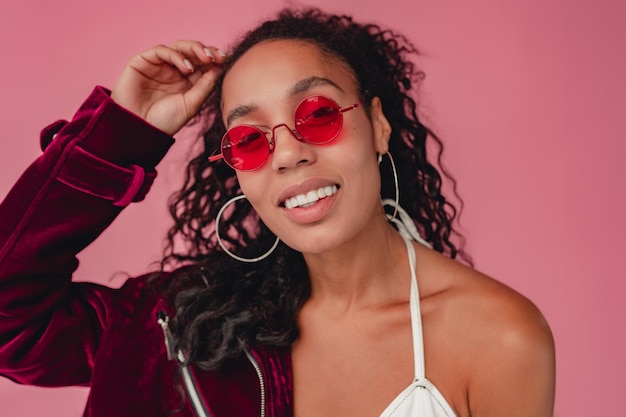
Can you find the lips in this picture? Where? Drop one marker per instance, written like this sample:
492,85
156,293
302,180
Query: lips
309,201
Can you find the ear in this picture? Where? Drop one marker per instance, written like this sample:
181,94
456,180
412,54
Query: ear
380,126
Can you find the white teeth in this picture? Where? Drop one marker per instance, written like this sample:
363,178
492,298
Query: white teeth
312,196
307,200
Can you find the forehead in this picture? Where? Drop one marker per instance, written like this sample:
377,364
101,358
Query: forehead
270,69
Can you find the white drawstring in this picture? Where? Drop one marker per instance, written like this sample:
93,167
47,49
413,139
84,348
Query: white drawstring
404,223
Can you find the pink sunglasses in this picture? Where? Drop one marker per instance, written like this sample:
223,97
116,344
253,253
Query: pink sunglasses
318,120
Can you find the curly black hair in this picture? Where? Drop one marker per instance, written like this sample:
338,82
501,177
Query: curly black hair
224,306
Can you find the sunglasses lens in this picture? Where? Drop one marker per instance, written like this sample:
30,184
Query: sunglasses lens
245,148
318,119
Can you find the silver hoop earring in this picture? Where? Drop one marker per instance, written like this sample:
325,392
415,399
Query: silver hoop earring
395,184
228,252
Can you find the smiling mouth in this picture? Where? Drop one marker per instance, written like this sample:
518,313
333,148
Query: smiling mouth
310,198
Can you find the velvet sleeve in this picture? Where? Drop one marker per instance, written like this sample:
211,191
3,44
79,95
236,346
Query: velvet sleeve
91,167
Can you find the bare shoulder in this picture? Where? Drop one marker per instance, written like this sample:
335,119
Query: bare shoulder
502,345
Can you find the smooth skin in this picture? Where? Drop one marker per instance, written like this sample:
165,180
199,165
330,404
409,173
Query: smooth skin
487,348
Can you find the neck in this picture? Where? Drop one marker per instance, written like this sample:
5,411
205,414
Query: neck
369,270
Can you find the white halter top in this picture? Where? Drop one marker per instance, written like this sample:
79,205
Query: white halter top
421,398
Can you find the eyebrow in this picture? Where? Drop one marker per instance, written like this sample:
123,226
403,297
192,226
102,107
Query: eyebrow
300,87
239,111
308,83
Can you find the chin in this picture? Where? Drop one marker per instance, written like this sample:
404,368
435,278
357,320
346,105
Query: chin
308,248
317,243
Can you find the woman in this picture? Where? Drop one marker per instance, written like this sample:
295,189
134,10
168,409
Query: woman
316,302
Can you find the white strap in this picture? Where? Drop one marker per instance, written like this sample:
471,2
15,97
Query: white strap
406,226
416,316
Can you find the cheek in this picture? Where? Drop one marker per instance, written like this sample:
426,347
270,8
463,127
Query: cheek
254,186
251,185
359,151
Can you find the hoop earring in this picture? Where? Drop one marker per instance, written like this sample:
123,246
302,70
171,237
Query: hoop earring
395,183
219,239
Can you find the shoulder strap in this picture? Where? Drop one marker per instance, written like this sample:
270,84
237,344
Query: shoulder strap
416,316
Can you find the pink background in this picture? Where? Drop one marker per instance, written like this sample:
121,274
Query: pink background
528,96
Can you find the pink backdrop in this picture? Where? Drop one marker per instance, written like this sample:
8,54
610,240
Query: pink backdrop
529,97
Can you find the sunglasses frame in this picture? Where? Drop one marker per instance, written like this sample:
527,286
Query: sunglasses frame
270,136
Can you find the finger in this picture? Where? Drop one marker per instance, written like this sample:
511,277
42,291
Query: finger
199,53
201,89
196,52
164,54
220,55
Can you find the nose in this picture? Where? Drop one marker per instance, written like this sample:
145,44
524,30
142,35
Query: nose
289,151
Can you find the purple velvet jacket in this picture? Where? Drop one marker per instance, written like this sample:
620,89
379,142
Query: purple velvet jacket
54,332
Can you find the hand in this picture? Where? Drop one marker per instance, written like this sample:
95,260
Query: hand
166,85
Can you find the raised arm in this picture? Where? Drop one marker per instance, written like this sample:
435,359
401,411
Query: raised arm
91,167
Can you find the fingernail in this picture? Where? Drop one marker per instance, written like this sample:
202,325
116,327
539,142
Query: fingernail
208,53
222,53
188,64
